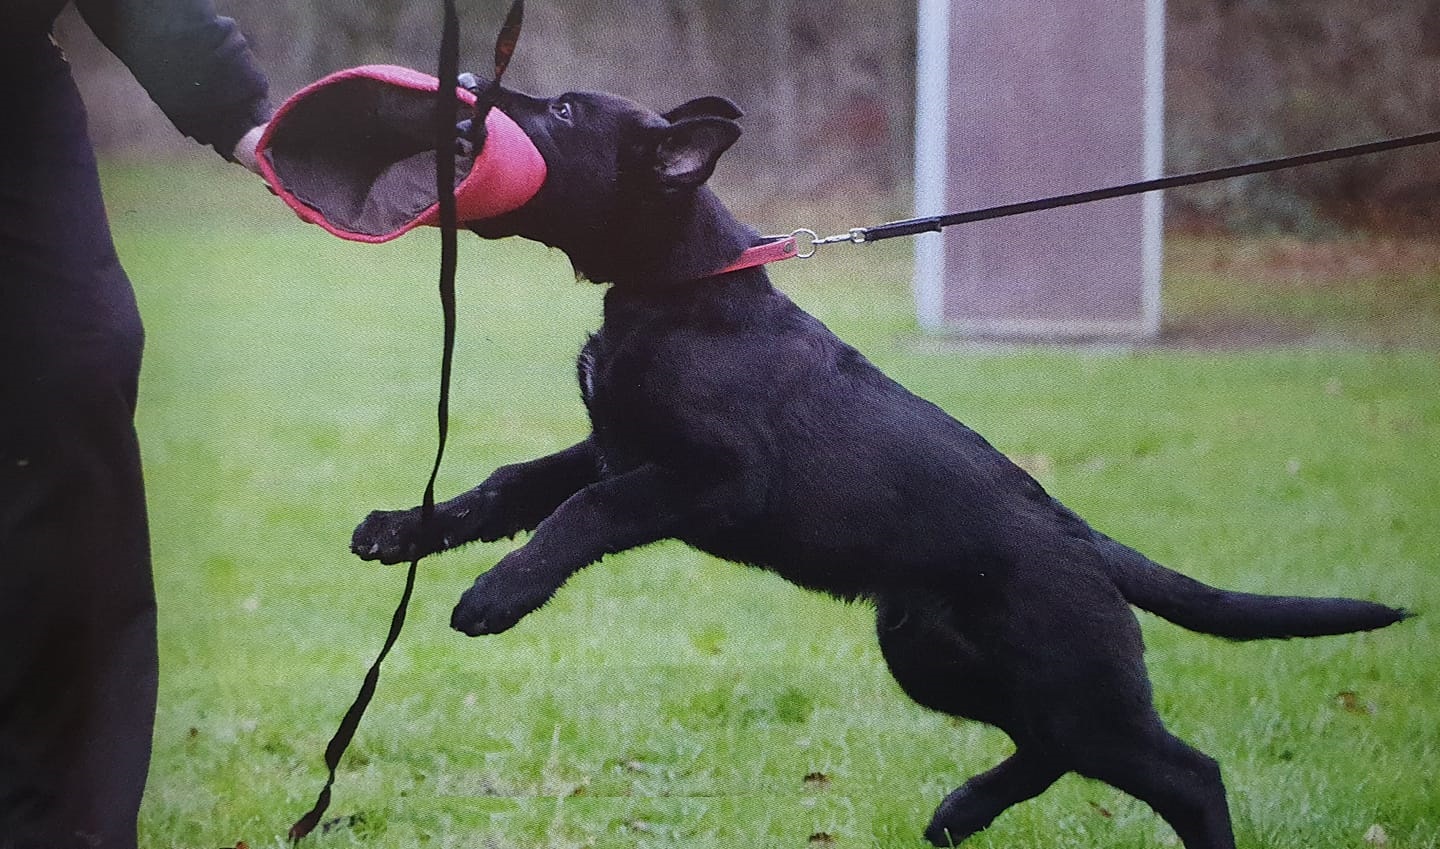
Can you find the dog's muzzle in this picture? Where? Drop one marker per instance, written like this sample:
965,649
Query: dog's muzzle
354,153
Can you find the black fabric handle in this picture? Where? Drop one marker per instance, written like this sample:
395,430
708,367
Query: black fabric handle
446,105
913,226
351,721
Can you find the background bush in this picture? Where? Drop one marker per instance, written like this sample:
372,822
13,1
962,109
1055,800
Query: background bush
829,90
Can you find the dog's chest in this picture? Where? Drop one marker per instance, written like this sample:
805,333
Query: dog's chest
606,401
628,385
585,370
611,369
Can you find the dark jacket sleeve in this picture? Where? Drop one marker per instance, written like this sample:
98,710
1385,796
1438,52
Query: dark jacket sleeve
195,64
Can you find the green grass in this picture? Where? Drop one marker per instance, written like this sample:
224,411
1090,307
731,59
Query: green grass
664,698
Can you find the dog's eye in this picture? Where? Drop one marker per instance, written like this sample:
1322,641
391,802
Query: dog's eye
561,109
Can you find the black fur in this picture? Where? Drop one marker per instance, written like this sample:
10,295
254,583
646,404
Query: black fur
726,417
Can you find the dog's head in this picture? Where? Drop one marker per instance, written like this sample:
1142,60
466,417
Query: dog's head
622,182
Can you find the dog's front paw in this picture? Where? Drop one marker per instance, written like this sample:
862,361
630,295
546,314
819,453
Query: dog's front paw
394,536
496,602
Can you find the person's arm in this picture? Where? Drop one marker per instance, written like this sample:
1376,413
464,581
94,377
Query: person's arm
194,64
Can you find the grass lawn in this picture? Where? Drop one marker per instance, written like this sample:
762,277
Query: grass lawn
667,699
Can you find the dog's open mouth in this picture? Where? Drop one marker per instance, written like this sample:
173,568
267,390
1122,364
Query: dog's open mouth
355,154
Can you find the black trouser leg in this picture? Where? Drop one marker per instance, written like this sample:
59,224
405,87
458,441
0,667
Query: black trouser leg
77,610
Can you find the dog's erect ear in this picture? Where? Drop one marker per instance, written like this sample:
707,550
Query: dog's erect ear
686,151
711,105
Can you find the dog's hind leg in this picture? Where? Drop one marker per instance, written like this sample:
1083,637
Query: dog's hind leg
1084,694
1181,783
1103,721
942,669
971,808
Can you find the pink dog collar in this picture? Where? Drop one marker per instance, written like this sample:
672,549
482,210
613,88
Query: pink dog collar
781,247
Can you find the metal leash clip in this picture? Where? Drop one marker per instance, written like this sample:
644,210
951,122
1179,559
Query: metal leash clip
855,235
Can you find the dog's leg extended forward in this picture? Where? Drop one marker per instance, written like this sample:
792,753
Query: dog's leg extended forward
632,509
514,498
976,804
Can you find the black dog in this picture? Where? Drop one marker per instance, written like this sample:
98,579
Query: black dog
726,417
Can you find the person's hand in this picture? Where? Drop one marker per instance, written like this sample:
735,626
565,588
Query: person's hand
244,152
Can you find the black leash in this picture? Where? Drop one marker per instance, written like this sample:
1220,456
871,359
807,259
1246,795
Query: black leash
914,226
446,105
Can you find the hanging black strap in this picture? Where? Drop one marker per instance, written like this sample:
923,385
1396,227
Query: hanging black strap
351,721
912,226
446,106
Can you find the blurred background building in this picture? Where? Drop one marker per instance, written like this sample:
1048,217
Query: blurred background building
1023,100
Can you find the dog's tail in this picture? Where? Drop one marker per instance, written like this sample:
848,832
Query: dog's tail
1234,615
